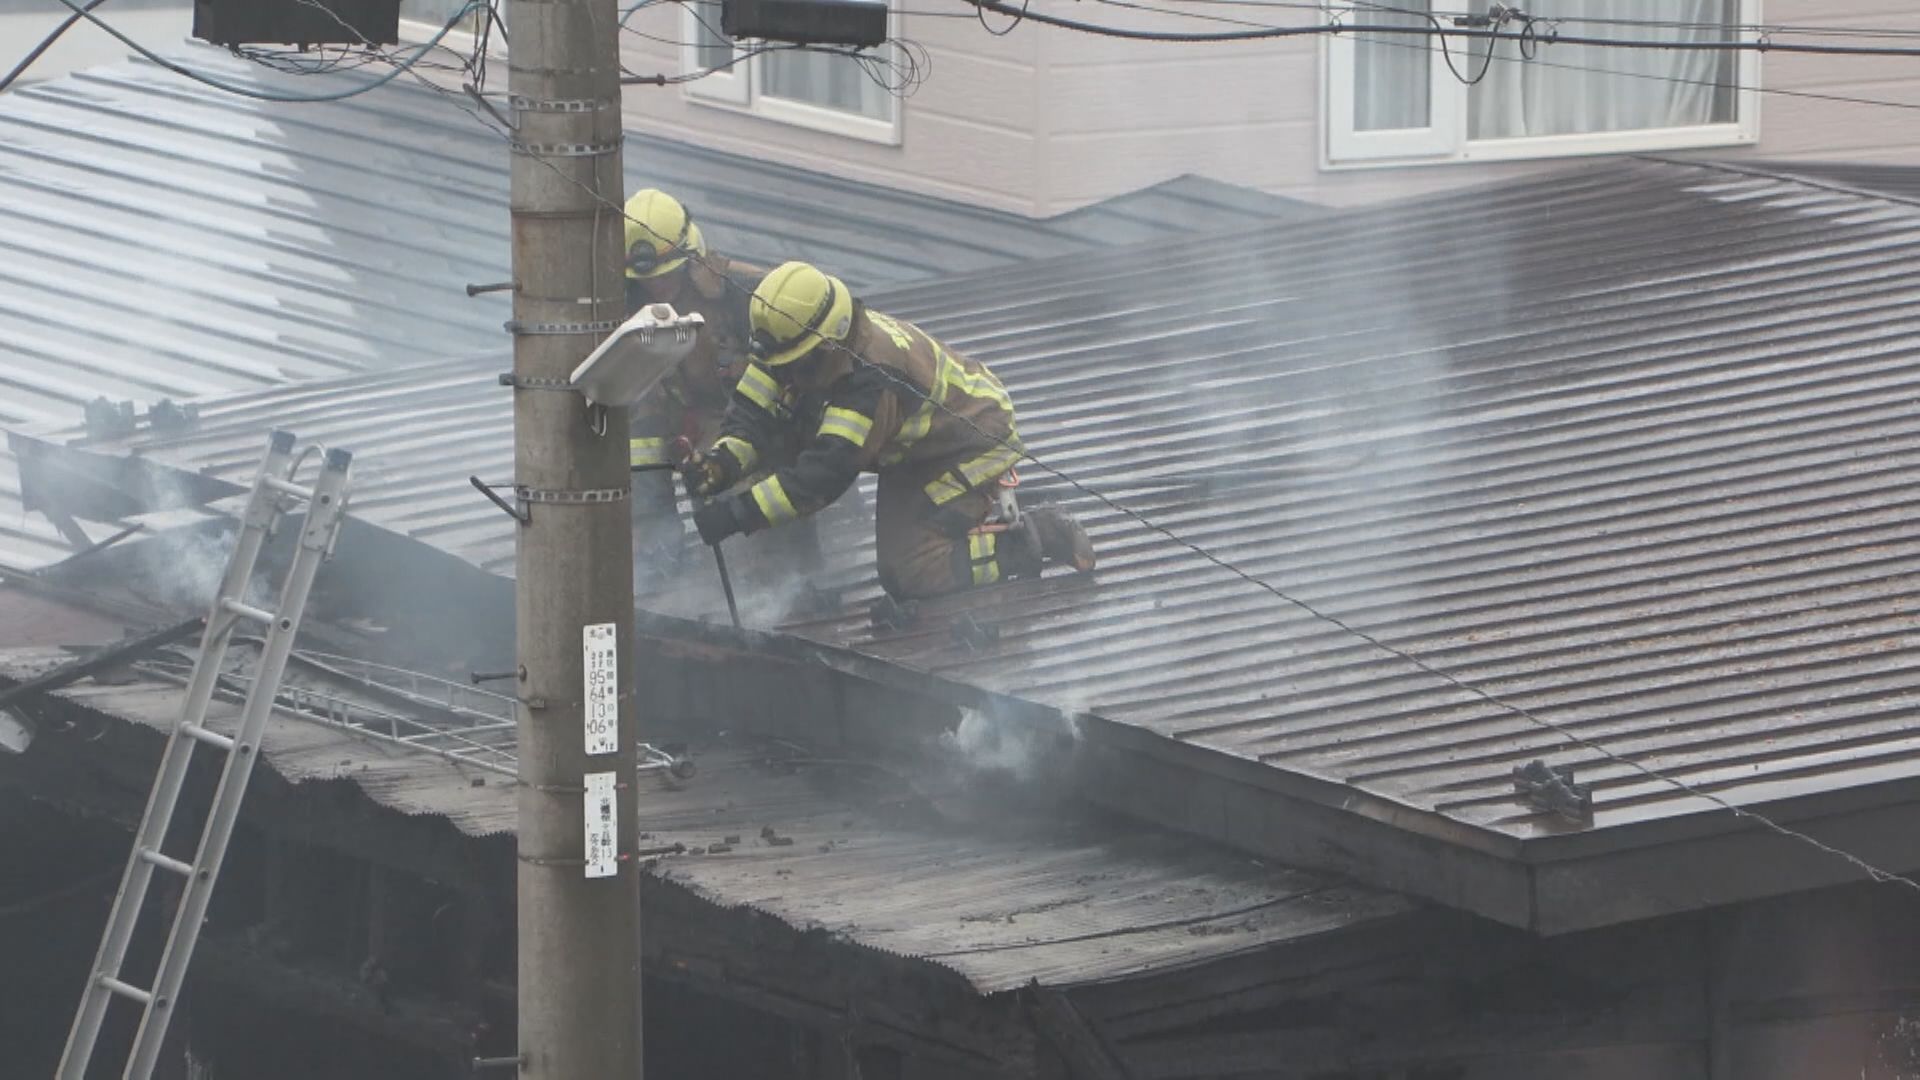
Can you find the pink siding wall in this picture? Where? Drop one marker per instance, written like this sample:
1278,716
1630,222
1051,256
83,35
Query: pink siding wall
1043,121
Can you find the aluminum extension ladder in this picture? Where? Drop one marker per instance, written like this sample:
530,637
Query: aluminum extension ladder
274,493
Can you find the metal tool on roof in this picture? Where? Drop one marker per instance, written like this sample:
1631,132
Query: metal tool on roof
1551,788
680,452
274,493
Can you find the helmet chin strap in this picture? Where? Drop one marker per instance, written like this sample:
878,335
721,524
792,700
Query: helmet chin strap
663,288
674,250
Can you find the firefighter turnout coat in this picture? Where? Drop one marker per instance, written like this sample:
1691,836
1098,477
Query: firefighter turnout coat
937,428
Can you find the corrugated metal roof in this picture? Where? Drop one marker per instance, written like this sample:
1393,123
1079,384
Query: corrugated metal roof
1628,445
1893,181
159,238
924,867
417,433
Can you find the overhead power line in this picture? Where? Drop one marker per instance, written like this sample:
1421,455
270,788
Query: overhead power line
1579,18
1377,7
1317,7
46,43
1494,56
1760,44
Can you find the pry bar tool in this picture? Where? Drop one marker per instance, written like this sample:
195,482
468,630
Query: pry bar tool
681,452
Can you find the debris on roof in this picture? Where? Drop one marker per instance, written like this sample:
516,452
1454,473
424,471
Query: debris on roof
923,863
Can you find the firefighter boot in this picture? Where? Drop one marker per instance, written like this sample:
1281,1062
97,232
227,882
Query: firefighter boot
1052,535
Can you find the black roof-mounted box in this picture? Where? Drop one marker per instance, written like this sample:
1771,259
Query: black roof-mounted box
857,23
297,22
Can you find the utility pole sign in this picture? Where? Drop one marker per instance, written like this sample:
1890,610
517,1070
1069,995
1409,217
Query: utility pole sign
603,808
579,892
600,656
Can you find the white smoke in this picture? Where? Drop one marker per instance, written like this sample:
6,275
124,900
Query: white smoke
184,558
189,566
987,743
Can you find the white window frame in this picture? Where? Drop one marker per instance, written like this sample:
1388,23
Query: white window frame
733,86
739,90
416,31
1446,141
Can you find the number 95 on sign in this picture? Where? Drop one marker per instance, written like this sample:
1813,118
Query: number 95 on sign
600,656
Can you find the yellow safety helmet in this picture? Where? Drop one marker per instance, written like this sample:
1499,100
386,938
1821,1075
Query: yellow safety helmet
660,234
794,309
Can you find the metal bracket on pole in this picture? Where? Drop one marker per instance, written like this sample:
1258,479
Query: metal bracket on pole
565,150
589,497
518,513
577,105
600,326
537,382
480,99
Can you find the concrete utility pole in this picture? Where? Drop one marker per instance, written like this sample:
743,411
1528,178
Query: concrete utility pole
579,890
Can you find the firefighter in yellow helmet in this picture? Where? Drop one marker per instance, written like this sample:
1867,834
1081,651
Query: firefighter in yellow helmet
869,393
667,262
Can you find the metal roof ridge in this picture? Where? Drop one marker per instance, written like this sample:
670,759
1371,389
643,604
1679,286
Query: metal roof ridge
1759,173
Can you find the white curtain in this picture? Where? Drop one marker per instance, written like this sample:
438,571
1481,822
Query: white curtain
1391,77
1627,90
831,82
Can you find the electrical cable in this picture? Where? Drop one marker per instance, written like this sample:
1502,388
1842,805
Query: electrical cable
981,14
1874,873
1356,6
1677,80
1761,45
1445,52
1352,6
269,95
909,63
1736,87
692,7
911,70
46,43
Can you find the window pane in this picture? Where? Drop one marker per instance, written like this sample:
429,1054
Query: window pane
1582,89
435,12
710,47
831,82
1392,72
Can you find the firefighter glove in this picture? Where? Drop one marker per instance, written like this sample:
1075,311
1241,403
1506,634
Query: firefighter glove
718,520
709,472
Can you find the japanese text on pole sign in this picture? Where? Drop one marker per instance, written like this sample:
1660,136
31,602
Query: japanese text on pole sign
603,808
601,654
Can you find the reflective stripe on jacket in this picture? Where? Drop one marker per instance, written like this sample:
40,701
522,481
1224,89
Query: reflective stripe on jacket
908,402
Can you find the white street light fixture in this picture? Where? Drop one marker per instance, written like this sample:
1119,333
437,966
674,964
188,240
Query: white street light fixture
638,354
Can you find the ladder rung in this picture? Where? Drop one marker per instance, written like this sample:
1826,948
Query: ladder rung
246,611
125,990
166,862
211,738
288,487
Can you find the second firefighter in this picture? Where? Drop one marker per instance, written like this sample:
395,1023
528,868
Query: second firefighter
864,392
